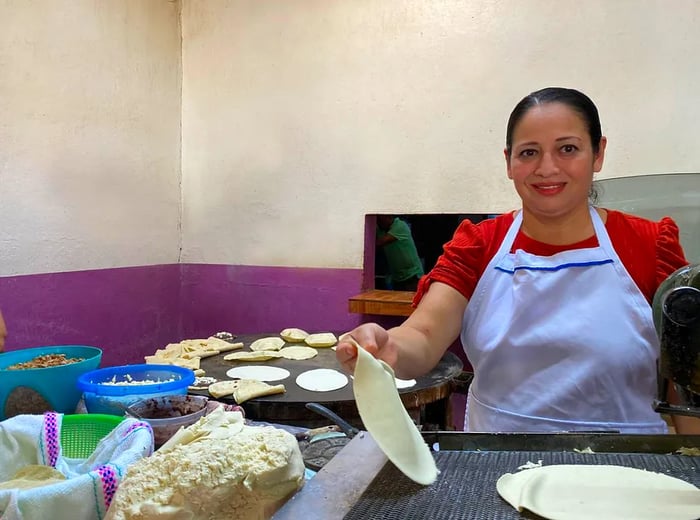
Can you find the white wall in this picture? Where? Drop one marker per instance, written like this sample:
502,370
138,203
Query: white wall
301,116
89,134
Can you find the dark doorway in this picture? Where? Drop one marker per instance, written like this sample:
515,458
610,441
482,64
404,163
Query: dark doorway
430,233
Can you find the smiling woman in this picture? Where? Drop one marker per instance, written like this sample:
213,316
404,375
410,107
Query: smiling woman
554,146
552,302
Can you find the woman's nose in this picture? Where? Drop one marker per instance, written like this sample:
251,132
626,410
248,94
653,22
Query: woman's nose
547,166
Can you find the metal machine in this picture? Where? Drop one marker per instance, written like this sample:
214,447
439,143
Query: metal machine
676,309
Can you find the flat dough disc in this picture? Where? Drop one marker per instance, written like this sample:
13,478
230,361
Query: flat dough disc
261,373
583,492
322,380
269,343
385,417
298,353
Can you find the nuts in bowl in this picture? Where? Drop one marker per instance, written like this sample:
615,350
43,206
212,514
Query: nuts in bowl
42,379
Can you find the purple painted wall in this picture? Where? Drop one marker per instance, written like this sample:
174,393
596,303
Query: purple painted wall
248,299
126,312
130,312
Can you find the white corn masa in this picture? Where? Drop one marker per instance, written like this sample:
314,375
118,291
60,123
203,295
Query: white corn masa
245,475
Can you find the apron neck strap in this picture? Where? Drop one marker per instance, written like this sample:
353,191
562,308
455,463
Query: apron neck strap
598,226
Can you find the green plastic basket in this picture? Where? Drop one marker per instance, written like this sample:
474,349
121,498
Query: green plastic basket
80,433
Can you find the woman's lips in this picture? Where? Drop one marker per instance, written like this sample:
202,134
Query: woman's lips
549,189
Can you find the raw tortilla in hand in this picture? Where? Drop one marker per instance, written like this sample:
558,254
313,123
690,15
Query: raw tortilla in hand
385,417
584,492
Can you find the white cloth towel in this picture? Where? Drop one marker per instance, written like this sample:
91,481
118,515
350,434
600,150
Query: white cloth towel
90,483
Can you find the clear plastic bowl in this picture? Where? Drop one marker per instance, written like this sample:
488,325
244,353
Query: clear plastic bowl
167,415
111,390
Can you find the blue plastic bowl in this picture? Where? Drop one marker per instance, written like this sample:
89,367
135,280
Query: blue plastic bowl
111,390
29,390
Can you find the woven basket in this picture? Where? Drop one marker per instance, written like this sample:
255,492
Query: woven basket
80,433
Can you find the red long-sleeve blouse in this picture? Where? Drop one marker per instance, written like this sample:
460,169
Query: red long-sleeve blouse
650,251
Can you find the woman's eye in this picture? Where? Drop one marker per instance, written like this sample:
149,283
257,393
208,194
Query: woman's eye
568,148
528,152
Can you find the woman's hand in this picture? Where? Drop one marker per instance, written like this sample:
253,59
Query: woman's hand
415,347
373,338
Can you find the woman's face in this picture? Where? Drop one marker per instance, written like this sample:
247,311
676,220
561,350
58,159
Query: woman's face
552,160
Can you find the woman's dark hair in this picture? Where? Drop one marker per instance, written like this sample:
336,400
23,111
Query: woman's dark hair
577,101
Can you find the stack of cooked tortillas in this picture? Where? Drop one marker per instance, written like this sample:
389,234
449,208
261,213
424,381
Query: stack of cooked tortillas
33,475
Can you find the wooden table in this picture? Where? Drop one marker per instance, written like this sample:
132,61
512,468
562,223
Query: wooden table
426,402
387,303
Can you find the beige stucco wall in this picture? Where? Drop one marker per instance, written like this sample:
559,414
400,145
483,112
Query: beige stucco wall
302,116
89,134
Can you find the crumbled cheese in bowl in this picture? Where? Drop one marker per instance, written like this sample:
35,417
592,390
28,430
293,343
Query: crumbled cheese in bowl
110,390
128,380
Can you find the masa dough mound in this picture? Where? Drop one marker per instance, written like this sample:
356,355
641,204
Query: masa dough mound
245,476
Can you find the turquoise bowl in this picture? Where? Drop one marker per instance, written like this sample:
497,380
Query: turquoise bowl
38,390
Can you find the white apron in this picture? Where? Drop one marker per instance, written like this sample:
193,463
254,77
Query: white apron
560,343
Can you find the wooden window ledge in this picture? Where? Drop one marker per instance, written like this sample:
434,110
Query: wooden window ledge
387,303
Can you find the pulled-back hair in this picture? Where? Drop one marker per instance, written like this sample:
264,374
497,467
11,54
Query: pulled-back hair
577,101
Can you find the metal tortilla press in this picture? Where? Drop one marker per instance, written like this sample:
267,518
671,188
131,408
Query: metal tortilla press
323,446
676,309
